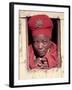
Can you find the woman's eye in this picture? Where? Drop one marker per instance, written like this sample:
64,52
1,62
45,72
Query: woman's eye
44,41
36,41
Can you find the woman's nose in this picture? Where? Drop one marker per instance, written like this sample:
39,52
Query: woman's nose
40,45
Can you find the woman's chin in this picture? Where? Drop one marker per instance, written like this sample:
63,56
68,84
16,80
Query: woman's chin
41,54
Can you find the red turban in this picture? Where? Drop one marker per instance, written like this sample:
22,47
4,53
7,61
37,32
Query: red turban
41,24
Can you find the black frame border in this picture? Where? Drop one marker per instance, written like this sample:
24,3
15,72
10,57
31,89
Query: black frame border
11,43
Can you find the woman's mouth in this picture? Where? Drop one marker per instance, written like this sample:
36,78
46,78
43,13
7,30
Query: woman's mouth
41,53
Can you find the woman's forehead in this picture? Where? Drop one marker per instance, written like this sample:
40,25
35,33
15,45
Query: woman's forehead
40,37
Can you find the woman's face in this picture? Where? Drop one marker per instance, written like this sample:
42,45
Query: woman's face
41,44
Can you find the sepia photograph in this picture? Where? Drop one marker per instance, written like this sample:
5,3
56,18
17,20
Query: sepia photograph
39,50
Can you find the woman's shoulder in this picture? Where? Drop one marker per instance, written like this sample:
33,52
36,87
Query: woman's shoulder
53,46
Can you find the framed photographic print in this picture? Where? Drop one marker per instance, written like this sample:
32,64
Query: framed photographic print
39,44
